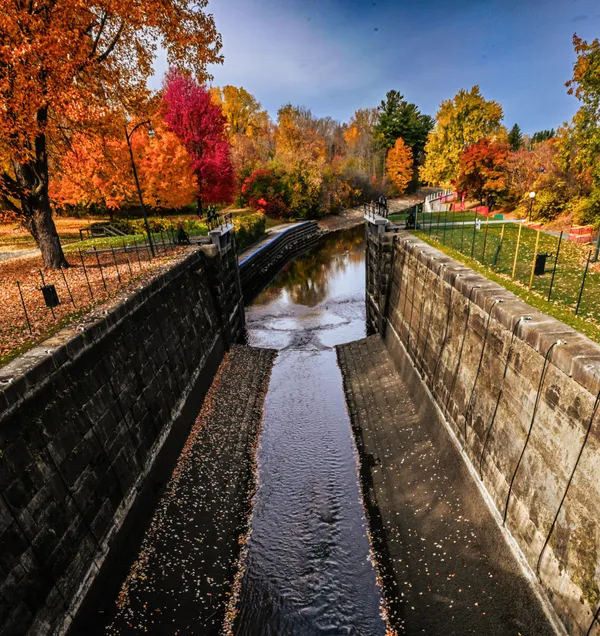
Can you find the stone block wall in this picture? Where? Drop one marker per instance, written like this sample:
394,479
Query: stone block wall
520,390
82,419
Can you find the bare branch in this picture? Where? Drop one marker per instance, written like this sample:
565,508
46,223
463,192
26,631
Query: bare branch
111,46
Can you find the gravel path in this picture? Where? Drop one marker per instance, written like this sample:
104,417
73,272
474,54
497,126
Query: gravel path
447,567
181,581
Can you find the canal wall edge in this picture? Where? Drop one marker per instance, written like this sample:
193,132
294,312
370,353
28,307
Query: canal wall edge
520,391
91,422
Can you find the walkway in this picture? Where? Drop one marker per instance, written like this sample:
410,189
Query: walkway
447,563
181,581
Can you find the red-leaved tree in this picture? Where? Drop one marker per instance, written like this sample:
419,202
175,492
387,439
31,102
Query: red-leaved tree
193,116
483,169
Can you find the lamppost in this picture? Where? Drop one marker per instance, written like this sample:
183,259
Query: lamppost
128,136
531,198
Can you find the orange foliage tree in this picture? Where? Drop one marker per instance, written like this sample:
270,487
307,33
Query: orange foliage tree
483,169
65,66
399,165
98,171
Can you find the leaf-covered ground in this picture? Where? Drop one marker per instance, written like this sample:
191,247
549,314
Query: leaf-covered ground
78,288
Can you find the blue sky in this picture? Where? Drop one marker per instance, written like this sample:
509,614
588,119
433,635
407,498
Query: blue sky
335,56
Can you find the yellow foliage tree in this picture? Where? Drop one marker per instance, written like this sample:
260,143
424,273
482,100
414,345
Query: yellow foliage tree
460,122
399,165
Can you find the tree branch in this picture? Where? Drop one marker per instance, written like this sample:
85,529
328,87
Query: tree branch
97,39
111,46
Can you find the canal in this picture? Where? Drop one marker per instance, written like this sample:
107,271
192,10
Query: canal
308,569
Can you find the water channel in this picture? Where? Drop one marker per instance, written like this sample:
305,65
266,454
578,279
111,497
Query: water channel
308,567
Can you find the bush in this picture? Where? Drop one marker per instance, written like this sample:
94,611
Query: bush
265,191
159,224
548,204
586,211
248,229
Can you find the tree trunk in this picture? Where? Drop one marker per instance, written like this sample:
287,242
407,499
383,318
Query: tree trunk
32,179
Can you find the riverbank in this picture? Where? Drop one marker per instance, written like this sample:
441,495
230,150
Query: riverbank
446,565
181,578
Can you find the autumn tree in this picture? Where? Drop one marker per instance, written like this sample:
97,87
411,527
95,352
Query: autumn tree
244,113
482,169
460,122
585,85
199,122
360,135
401,119
65,65
301,152
97,171
399,165
515,138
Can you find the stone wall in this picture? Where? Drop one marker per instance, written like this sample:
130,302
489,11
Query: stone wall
263,262
87,416
520,391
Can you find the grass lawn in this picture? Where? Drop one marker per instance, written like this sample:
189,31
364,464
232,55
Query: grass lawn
495,259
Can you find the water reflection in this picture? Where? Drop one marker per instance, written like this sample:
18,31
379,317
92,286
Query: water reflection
308,570
307,280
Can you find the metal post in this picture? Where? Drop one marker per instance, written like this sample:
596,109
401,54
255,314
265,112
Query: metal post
474,232
514,269
137,251
100,266
537,243
437,231
597,247
128,261
555,265
487,224
62,271
24,308
462,234
137,182
445,225
86,274
116,266
583,282
497,254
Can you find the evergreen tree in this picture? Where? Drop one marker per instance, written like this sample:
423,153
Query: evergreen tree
400,119
515,138
542,135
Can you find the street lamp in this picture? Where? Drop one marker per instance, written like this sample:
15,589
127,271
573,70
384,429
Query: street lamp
128,136
531,198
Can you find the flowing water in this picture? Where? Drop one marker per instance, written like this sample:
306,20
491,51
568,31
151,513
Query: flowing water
308,568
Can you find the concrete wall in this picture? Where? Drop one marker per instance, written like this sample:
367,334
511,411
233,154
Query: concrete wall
520,391
84,420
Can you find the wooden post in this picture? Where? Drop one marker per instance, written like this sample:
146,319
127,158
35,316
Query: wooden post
537,243
514,269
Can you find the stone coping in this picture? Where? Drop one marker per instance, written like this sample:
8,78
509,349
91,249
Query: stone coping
578,357
274,235
23,373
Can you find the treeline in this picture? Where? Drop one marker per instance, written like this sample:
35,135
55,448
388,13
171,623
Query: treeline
469,148
299,165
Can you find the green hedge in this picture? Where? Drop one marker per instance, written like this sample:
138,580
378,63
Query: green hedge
248,229
158,224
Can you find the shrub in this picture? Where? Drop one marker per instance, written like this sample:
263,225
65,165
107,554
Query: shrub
265,191
586,210
248,229
159,224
